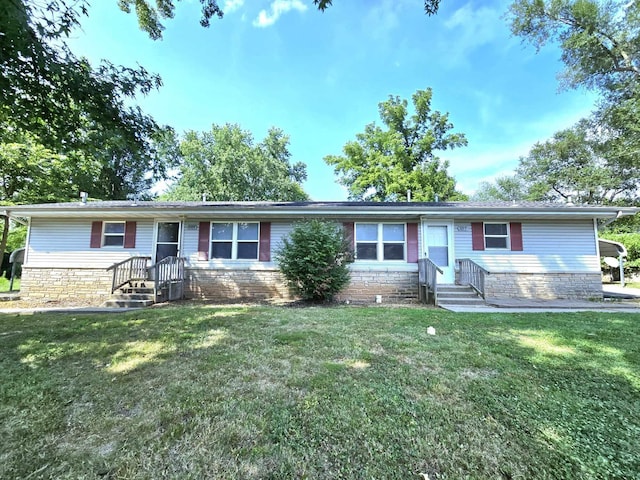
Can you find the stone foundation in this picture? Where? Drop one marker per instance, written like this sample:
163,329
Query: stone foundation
87,285
583,286
225,285
393,287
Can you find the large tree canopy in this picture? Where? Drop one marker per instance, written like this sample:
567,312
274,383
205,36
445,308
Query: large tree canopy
573,165
387,164
577,164
600,40
225,164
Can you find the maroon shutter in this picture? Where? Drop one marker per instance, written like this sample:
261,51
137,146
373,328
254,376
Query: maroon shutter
412,243
516,236
204,234
265,242
349,236
130,235
96,235
477,236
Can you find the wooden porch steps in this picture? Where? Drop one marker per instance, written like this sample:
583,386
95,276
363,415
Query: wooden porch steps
458,295
135,295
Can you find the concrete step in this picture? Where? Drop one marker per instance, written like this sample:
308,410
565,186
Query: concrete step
136,291
133,296
123,303
460,301
458,295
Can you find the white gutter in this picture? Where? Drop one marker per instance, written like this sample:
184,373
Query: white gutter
7,214
359,212
611,220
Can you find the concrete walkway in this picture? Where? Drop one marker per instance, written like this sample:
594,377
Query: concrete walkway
617,299
79,310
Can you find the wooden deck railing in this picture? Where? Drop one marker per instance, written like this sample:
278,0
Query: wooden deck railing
428,280
131,269
472,274
168,276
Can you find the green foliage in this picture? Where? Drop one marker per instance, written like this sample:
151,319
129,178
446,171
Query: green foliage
17,237
386,164
600,45
504,189
600,40
430,6
314,260
75,116
225,164
575,163
631,241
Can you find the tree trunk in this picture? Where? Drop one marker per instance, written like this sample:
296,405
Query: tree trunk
5,235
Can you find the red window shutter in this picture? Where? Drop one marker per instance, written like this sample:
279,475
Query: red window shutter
349,229
265,242
477,236
516,237
96,235
130,235
204,234
412,243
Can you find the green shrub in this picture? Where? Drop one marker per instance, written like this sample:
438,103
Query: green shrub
314,259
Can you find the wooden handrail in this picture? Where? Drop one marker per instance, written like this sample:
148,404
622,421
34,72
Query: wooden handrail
473,275
428,279
134,268
167,271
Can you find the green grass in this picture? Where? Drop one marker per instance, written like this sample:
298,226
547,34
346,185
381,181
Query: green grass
355,393
4,284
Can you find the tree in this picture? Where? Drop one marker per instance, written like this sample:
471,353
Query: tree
504,189
600,40
575,164
224,164
314,260
388,164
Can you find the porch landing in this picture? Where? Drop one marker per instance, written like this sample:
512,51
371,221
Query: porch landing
611,303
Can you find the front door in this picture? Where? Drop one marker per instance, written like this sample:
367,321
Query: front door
167,240
438,247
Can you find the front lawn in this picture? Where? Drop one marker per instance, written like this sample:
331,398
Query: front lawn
319,393
4,284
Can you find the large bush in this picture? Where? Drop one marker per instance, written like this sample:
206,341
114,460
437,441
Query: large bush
314,259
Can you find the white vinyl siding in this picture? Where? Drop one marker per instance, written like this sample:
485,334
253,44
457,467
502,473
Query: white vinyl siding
549,247
65,242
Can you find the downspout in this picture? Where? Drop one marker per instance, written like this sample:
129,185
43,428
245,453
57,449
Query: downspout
611,220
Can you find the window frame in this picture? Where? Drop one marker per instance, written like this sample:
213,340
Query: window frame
507,236
103,243
234,241
379,242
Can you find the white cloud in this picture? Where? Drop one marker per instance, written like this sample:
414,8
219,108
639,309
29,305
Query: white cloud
278,7
232,5
469,29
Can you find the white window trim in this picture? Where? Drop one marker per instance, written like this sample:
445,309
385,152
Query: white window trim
380,242
507,236
105,234
234,243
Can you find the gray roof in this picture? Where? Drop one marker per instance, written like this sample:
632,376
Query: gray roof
337,209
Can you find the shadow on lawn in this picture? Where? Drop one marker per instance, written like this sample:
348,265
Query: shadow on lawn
572,383
122,343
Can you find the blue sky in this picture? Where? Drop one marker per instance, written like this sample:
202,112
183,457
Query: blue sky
320,76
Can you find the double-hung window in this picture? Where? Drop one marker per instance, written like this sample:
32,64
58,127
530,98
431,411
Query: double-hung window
380,241
113,234
496,235
235,240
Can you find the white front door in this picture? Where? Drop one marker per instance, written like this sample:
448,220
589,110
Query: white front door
167,240
437,239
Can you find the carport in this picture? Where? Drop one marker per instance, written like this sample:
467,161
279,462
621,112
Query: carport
613,253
